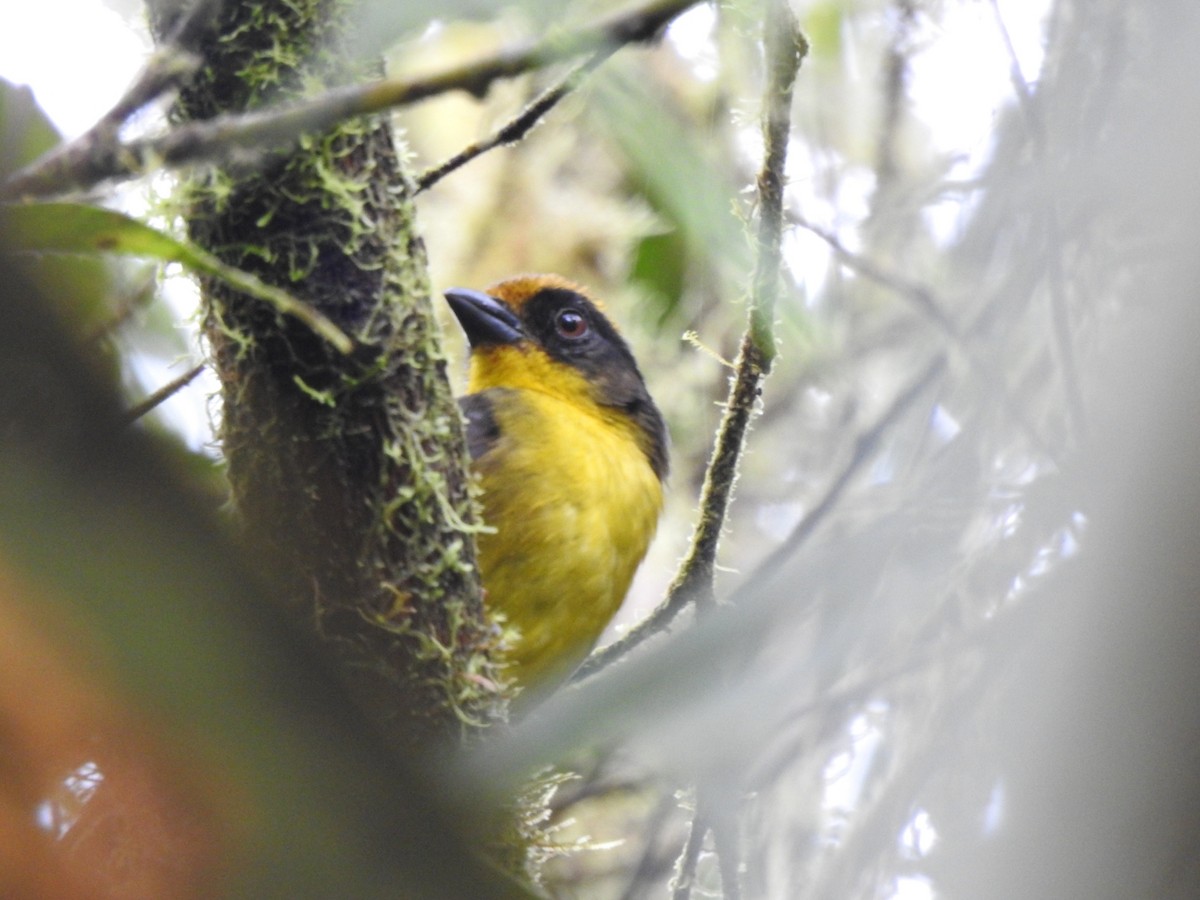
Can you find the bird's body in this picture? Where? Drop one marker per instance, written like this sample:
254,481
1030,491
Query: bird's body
571,454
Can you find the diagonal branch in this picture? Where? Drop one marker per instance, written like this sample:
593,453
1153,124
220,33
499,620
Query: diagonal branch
67,166
164,393
173,63
519,126
689,860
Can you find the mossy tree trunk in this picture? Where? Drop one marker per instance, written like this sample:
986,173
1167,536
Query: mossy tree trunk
348,469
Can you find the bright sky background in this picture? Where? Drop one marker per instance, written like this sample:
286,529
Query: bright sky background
77,55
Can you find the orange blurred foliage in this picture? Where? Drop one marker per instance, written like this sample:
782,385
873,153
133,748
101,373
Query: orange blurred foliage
92,804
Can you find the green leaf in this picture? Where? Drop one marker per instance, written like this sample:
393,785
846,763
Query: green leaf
660,266
674,173
78,228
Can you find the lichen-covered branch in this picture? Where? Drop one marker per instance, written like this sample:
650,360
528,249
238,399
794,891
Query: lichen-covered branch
785,49
347,471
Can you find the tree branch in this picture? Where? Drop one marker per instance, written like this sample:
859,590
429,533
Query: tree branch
927,304
516,128
786,48
100,156
173,63
163,394
348,471
67,166
865,446
920,296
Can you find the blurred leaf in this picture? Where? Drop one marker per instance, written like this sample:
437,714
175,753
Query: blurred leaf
25,131
673,172
83,288
660,264
78,228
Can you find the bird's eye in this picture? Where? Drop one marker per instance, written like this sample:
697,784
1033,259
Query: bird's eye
571,324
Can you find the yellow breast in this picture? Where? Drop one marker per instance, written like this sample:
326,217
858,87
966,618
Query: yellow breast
574,502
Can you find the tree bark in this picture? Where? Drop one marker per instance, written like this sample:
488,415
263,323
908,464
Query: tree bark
348,470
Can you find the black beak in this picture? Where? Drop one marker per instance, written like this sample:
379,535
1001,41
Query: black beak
485,319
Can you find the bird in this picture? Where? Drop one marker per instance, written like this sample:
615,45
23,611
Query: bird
571,453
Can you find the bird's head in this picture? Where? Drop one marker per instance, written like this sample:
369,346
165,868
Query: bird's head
544,333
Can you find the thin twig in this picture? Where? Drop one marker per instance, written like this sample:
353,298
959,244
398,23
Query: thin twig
785,49
727,846
865,446
173,63
168,390
895,94
128,303
225,137
655,623
515,129
712,816
1020,86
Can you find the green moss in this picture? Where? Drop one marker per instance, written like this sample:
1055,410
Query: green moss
349,471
